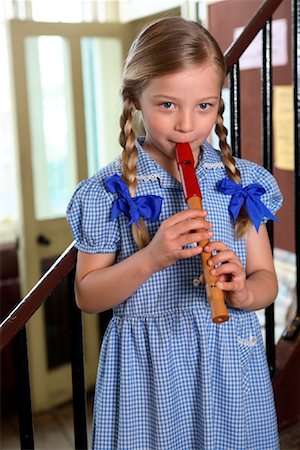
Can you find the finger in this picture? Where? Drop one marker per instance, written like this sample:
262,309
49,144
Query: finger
174,228
194,238
227,269
226,256
223,278
188,252
189,226
228,286
186,215
215,246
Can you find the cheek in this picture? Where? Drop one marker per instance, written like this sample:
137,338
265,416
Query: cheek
155,126
210,122
147,118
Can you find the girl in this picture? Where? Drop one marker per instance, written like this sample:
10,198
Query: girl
168,377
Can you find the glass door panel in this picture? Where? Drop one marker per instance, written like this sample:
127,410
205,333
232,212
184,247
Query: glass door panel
102,67
66,80
51,125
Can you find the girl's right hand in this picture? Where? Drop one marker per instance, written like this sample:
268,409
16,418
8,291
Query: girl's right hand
181,229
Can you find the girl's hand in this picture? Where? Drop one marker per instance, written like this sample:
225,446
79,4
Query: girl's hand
231,275
181,229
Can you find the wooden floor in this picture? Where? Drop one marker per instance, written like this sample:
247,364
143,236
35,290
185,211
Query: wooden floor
54,431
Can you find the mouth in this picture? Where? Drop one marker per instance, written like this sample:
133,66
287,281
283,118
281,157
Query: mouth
181,142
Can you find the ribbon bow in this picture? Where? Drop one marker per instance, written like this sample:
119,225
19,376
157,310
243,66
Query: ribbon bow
146,206
250,196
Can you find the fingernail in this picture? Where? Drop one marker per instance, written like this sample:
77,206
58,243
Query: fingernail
219,285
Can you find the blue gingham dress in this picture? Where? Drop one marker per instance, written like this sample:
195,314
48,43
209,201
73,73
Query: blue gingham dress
168,377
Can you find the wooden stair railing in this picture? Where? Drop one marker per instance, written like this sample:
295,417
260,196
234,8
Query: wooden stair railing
255,24
14,323
20,315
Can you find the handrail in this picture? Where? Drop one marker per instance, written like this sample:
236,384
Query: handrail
255,24
19,316
13,323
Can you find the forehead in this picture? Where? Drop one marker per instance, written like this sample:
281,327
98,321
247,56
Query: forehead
202,79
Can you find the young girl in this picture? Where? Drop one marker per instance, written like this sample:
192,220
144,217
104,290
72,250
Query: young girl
169,378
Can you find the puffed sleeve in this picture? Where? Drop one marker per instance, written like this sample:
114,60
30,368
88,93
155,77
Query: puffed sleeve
88,214
272,198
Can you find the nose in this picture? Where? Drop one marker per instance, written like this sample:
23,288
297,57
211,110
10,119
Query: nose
184,121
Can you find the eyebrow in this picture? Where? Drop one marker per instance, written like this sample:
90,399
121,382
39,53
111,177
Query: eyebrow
169,97
166,96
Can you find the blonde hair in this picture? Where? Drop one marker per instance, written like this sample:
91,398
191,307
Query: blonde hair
166,46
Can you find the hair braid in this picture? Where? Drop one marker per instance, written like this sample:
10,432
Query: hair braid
158,51
243,220
129,153
129,159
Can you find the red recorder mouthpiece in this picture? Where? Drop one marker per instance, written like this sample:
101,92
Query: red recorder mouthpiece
185,161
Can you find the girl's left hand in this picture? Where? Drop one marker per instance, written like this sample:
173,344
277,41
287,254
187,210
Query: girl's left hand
230,273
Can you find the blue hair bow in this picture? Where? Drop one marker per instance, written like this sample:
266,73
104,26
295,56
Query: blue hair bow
250,196
146,206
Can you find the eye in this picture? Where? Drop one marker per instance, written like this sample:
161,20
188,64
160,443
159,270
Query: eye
168,105
204,106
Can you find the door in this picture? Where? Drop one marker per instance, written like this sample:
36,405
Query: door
66,82
67,127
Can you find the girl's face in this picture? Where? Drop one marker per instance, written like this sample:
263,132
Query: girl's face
180,107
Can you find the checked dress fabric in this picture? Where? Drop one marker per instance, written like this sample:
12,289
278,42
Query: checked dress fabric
168,377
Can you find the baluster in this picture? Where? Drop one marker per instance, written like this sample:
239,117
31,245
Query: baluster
235,112
267,149
23,391
78,376
296,72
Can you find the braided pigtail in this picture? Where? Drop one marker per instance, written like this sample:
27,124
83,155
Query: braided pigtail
243,221
129,159
158,51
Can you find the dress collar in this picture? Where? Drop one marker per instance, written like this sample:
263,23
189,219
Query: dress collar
209,159
149,170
